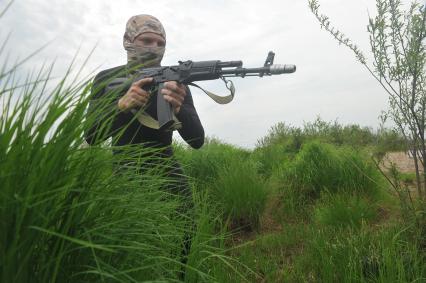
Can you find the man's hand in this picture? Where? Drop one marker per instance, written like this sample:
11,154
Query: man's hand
136,96
174,93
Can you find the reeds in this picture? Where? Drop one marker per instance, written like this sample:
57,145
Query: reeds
73,213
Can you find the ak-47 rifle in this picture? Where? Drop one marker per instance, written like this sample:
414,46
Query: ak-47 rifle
188,72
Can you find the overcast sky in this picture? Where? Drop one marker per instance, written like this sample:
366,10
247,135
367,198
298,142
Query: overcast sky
329,82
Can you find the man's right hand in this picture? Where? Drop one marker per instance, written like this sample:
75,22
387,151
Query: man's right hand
136,96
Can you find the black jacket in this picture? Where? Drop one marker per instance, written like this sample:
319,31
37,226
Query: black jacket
125,129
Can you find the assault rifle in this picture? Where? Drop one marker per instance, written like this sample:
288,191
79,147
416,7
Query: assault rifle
188,72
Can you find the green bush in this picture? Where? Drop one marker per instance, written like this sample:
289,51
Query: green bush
241,193
203,165
320,167
270,158
333,133
283,134
340,210
231,175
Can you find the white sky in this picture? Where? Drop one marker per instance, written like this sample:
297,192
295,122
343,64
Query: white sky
329,82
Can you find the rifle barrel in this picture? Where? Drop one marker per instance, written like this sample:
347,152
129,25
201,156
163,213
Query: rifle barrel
275,69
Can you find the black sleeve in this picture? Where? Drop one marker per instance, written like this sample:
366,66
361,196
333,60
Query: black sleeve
103,116
192,131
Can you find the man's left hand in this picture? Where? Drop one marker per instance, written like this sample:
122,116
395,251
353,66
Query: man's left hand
174,93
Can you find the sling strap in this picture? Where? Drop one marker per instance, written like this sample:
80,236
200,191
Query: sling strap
148,121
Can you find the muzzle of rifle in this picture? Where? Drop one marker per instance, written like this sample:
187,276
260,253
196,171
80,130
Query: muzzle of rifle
275,69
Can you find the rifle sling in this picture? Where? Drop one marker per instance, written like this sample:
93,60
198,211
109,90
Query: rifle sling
217,98
150,122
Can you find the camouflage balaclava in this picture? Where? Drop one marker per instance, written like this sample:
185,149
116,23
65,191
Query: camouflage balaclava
148,56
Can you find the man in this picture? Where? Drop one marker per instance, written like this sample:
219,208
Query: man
145,42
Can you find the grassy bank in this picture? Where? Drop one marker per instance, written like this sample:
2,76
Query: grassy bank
323,214
306,205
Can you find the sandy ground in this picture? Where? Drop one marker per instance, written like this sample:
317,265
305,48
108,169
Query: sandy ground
403,161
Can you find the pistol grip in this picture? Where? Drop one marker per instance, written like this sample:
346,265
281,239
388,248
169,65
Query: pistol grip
164,111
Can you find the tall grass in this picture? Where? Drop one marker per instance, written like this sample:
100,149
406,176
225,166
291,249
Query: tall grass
386,255
320,167
72,213
272,254
242,193
210,259
231,177
284,141
65,215
204,165
344,210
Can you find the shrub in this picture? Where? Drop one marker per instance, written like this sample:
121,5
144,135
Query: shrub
340,210
241,193
270,158
203,165
334,133
320,167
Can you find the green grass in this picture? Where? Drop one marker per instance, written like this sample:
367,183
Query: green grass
271,158
242,193
341,210
269,255
365,255
408,178
320,167
231,177
333,223
333,132
70,213
65,215
204,165
73,214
